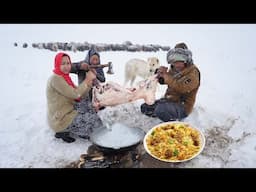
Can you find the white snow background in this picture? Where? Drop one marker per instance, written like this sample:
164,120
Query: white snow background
224,109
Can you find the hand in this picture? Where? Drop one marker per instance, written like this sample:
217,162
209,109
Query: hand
162,74
96,106
162,70
90,76
84,66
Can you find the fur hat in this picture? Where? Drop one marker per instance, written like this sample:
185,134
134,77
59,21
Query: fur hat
181,45
179,54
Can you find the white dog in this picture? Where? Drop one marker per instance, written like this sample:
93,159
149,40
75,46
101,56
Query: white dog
139,67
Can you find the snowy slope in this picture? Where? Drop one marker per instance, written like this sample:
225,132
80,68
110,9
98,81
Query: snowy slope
224,109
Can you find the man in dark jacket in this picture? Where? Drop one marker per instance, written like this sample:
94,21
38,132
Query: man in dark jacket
183,80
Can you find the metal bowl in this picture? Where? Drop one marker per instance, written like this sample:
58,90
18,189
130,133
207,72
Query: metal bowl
117,137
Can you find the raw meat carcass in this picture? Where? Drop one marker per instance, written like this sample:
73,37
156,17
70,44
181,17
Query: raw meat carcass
111,94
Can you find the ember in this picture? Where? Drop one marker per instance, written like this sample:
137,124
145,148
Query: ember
96,158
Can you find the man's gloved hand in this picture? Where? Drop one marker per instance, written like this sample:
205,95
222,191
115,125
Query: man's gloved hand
161,72
161,80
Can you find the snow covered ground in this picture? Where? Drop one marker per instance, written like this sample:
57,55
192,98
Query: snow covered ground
224,109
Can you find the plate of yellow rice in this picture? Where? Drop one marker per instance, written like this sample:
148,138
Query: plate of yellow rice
174,142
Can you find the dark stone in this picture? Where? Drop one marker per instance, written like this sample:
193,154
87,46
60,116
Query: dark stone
34,45
132,48
127,43
25,45
165,48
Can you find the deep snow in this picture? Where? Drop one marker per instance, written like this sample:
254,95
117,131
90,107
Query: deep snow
224,108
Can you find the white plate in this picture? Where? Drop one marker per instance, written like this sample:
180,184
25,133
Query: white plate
202,138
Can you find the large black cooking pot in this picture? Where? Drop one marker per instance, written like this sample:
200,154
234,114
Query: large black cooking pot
118,138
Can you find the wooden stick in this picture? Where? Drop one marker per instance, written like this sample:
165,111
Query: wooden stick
99,66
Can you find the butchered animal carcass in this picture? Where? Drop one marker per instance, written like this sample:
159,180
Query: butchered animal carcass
111,94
